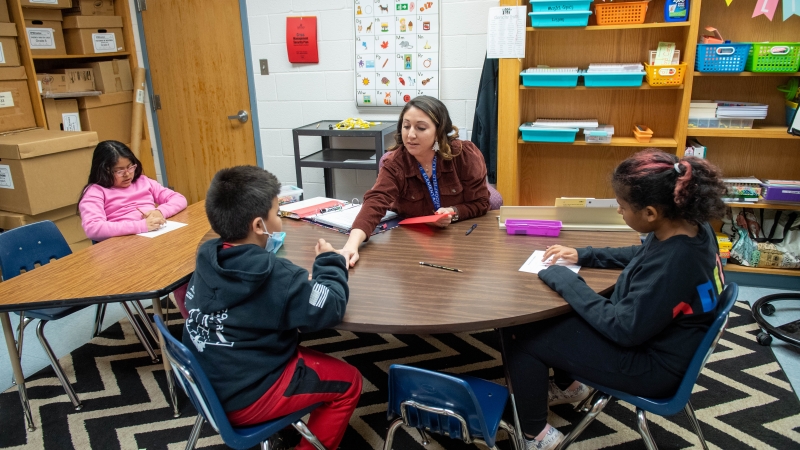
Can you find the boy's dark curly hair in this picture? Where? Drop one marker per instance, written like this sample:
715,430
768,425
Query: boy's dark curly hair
689,188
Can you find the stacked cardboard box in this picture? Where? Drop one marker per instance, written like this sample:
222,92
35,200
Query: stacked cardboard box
16,110
108,114
9,54
89,35
91,8
44,29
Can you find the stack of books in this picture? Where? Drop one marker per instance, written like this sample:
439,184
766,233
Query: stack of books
565,123
781,190
738,110
725,246
702,109
742,189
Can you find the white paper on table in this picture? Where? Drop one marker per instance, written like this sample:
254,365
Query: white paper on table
169,226
506,35
534,264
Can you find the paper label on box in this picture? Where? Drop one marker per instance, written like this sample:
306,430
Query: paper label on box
6,100
71,121
104,42
5,177
139,96
2,55
49,2
39,82
41,38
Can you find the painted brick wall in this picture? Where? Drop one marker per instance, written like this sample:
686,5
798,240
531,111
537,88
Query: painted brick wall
293,95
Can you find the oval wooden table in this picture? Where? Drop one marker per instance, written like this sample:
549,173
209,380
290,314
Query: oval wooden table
390,292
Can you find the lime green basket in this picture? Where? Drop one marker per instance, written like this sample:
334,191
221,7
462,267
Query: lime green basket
774,57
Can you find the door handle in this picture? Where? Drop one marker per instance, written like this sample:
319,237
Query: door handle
242,116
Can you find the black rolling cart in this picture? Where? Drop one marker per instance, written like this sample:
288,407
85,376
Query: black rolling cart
788,332
339,158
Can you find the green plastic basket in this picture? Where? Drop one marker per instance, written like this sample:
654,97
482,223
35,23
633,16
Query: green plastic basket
774,57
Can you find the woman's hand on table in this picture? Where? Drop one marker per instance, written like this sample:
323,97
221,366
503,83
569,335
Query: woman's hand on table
444,221
350,249
568,254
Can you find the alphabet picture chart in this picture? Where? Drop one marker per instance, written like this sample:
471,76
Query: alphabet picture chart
397,51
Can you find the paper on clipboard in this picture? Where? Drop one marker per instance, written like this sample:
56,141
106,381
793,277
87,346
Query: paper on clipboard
422,219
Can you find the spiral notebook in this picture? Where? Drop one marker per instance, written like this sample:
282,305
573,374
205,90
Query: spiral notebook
343,219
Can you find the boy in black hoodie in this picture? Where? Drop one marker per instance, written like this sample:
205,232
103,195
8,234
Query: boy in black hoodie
247,306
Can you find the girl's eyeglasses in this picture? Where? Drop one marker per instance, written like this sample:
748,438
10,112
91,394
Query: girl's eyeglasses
121,172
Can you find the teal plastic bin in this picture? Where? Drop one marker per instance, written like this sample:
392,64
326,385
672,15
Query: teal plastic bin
613,79
538,134
550,79
560,5
560,19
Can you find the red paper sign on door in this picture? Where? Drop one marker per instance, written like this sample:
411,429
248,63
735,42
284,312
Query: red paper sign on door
301,39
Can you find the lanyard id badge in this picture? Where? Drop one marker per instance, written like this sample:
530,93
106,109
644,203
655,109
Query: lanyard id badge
432,183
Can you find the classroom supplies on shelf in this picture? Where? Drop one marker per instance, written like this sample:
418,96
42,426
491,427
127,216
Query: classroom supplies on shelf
598,135
642,133
531,133
550,76
560,5
781,190
791,90
618,13
612,79
741,124
676,57
741,189
773,57
725,245
725,57
634,67
664,54
354,122
676,10
791,110
559,19
702,109
665,75
565,123
289,194
694,148
741,110
715,39
532,227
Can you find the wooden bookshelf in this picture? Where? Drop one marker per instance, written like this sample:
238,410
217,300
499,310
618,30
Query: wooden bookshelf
96,56
764,205
731,267
614,88
615,142
747,74
759,132
613,27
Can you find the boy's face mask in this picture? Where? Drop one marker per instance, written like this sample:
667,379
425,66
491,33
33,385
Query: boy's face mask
274,240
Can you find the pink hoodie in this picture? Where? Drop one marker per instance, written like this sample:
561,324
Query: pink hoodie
110,212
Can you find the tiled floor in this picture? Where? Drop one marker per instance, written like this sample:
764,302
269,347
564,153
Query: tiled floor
70,333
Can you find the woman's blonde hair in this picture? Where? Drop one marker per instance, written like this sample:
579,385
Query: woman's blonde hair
445,130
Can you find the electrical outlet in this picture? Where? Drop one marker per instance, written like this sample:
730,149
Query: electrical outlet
264,66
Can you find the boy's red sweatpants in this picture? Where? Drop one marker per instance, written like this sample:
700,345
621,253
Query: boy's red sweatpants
310,377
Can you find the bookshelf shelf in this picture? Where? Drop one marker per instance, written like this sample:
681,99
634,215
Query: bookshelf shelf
644,86
615,142
731,267
765,205
613,27
769,132
95,56
747,74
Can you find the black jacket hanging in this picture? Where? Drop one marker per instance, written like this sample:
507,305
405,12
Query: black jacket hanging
484,126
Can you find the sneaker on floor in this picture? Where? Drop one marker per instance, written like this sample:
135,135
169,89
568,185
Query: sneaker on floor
550,441
555,396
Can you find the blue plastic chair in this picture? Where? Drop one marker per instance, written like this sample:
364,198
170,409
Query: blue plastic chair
663,406
197,387
461,407
20,250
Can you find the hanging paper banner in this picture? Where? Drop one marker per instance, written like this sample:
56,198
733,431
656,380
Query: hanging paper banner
301,39
790,8
728,2
766,7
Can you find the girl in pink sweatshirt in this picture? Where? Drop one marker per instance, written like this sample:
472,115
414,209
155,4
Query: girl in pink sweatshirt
119,200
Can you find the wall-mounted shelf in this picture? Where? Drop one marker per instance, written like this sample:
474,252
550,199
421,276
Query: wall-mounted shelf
615,142
768,132
637,26
644,86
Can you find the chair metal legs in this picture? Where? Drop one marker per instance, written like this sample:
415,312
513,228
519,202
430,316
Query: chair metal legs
195,434
145,318
641,424
301,427
387,444
596,408
56,366
512,435
695,424
8,334
99,314
139,333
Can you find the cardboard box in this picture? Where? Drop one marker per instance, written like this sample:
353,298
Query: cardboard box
16,110
9,53
66,219
62,114
49,4
43,170
108,114
4,16
89,35
66,80
44,33
80,245
91,8
112,76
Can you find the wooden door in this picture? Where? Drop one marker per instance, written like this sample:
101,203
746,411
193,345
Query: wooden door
197,65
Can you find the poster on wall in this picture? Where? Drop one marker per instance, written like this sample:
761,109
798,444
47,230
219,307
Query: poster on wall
397,51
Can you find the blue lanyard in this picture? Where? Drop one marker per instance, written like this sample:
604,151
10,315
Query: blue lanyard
433,185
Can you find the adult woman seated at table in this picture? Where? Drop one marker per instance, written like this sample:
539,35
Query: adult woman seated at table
429,171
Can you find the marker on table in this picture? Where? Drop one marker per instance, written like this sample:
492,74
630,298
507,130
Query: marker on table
474,225
439,267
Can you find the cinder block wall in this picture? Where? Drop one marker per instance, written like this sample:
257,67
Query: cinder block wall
293,95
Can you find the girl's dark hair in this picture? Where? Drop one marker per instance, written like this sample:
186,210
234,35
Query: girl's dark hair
689,188
106,155
436,110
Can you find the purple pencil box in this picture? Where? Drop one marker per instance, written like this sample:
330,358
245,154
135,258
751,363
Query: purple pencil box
781,193
533,227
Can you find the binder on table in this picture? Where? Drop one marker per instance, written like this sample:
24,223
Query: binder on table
310,207
342,219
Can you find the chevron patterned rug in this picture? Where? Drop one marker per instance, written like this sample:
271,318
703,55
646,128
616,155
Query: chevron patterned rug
742,398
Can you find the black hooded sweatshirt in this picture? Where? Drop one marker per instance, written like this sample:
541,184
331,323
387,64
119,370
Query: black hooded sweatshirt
246,309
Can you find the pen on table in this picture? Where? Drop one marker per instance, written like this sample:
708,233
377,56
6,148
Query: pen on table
474,225
439,267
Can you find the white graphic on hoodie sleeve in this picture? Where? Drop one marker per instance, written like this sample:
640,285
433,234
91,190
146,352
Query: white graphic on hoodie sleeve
207,329
318,295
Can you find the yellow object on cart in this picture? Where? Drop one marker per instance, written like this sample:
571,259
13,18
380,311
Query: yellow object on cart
353,122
